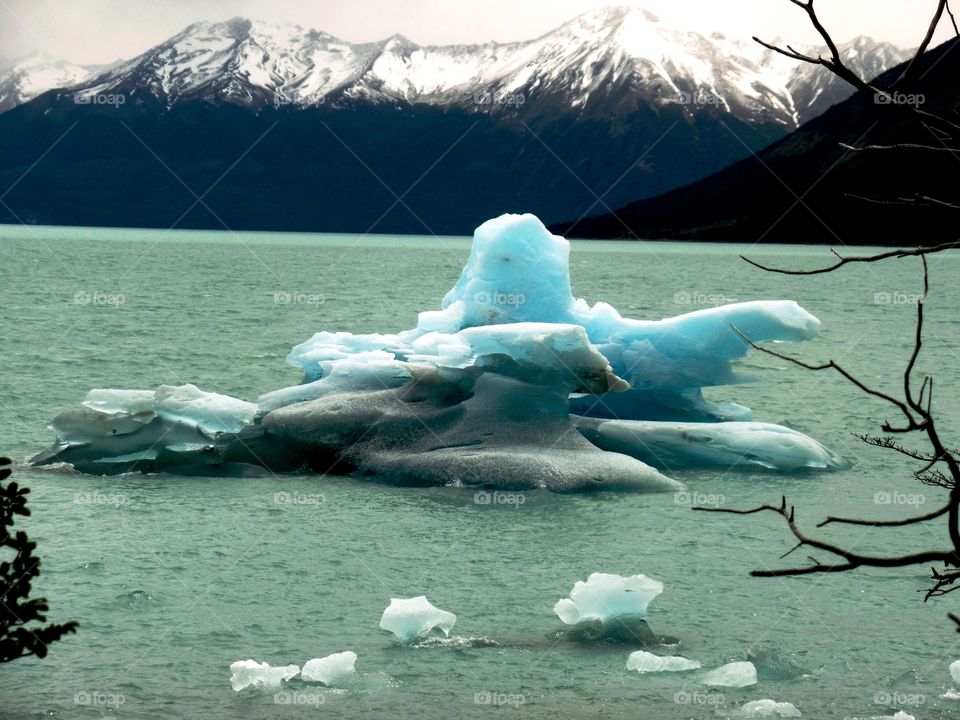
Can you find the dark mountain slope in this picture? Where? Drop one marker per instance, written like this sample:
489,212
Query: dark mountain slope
808,188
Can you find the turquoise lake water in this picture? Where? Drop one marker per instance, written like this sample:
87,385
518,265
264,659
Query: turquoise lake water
172,579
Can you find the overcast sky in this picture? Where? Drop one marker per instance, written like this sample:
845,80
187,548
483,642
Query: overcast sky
98,31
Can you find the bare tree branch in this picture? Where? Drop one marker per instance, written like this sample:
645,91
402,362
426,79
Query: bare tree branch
887,523
898,253
851,559
922,48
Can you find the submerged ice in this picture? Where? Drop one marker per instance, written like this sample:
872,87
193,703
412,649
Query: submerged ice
513,383
646,662
250,673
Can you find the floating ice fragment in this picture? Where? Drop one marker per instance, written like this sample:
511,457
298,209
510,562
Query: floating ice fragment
735,675
645,662
413,618
605,597
766,708
331,669
250,673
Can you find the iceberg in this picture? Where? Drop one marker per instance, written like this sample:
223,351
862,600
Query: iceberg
513,383
734,675
645,662
766,708
331,669
415,618
250,673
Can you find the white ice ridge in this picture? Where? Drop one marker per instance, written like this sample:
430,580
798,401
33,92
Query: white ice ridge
331,669
646,662
250,673
513,383
415,618
605,597
734,675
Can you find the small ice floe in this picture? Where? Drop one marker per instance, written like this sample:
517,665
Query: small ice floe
605,597
645,662
734,675
415,618
609,608
250,673
766,708
330,670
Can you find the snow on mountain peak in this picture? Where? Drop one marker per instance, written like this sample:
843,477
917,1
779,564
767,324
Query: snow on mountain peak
622,54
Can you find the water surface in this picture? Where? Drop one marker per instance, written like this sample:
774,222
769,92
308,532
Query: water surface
173,578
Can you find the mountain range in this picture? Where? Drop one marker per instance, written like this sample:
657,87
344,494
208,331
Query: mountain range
819,184
392,136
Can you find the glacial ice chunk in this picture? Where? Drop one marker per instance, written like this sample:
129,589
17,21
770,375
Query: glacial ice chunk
605,597
415,618
735,675
512,384
646,662
250,673
766,708
128,402
674,445
208,411
331,669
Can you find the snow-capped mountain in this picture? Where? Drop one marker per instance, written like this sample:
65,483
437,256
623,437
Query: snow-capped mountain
611,60
814,89
36,73
611,106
